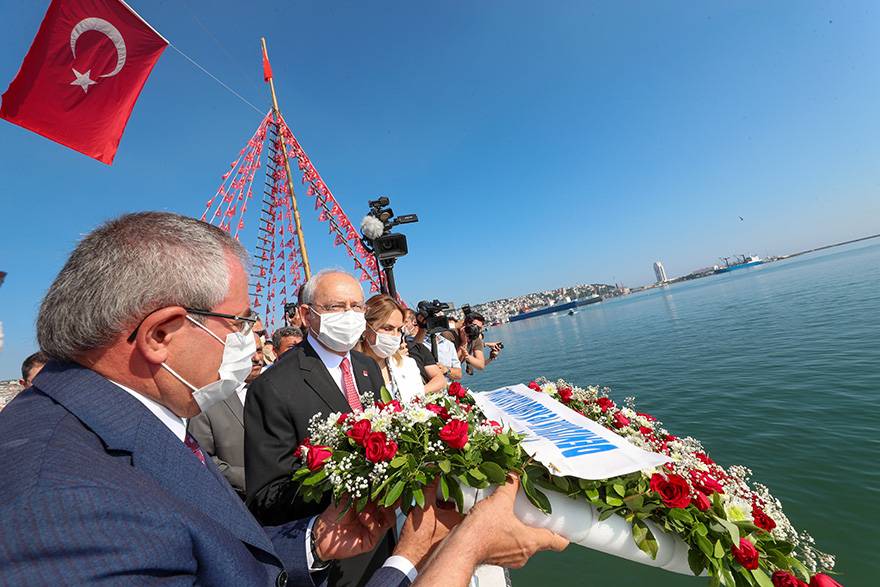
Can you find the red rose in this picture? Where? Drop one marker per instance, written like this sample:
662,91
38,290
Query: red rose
533,385
317,456
393,403
671,437
620,420
455,433
456,389
649,417
702,481
442,412
645,431
762,520
673,489
341,419
374,446
297,453
785,579
565,394
822,580
359,431
746,554
390,450
704,458
496,427
605,403
701,502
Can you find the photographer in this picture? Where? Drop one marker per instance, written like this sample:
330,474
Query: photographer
471,348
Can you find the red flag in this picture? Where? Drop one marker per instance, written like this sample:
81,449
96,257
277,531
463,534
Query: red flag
82,75
267,67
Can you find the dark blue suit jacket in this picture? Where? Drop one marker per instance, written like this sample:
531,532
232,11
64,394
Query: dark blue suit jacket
96,490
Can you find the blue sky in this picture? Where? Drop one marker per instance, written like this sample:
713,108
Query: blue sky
541,144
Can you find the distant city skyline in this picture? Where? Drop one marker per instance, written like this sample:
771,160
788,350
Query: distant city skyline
575,145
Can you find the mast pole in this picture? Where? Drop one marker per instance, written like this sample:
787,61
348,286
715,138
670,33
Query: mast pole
296,219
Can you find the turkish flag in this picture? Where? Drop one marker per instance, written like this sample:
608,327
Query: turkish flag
83,73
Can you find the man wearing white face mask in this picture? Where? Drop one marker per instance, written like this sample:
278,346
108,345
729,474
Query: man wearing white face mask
322,374
147,324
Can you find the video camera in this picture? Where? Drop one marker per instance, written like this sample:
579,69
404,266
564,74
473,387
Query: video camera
428,316
387,244
472,330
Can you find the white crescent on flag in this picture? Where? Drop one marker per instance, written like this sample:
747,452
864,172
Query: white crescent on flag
83,80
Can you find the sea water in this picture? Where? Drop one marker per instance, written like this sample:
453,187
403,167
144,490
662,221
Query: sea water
775,367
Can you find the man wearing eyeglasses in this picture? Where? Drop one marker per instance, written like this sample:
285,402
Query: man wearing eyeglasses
321,374
148,324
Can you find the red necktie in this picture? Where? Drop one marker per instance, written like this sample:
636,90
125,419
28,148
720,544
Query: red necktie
193,445
348,387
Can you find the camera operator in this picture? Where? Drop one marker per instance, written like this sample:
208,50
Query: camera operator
432,376
430,321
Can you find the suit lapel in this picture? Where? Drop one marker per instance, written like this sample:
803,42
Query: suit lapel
316,376
233,404
362,377
123,423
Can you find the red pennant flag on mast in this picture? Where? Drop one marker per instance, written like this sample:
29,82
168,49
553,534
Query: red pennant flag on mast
82,75
267,67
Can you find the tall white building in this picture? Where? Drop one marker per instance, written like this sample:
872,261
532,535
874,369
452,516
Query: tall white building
660,272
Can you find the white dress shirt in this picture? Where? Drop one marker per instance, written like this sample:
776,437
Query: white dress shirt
333,361
446,352
406,379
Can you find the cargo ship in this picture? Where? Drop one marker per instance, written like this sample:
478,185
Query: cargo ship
569,305
743,262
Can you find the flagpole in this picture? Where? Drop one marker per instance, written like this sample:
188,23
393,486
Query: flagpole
296,219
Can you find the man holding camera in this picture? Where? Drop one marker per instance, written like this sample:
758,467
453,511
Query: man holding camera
431,322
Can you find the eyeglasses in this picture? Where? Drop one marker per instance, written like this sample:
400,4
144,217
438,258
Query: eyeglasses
336,308
242,324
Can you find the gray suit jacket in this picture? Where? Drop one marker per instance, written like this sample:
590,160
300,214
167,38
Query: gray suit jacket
220,432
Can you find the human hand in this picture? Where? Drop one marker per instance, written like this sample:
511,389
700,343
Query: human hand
340,536
498,537
425,528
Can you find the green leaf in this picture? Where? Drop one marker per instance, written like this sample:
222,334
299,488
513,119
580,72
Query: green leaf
619,489
362,503
615,501
731,528
537,497
762,578
605,514
493,472
398,461
681,515
455,491
634,502
477,474
316,478
592,494
444,465
704,545
719,549
386,397
696,561
444,488
394,493
645,539
419,496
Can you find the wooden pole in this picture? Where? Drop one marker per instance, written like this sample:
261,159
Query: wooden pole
296,219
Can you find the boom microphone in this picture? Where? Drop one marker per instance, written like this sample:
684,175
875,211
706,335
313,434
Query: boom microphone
372,227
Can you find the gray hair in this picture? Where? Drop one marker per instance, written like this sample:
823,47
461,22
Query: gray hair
308,291
125,269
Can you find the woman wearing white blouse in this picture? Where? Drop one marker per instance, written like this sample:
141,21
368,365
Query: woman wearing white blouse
382,341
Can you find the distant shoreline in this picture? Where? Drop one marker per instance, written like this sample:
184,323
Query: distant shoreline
849,242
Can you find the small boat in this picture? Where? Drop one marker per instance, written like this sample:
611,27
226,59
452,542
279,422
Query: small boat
572,312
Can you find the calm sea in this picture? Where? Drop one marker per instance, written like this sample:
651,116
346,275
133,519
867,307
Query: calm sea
775,367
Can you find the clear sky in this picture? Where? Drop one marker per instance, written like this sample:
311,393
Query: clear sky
541,144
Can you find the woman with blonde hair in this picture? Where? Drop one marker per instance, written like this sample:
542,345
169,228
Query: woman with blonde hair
382,341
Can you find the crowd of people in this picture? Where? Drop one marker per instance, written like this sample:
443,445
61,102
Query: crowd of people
155,440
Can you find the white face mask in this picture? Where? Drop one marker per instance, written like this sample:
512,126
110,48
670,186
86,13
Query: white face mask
340,331
238,349
385,345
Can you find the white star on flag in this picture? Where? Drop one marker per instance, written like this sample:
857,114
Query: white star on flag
83,80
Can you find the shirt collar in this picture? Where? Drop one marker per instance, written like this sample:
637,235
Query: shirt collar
172,421
331,360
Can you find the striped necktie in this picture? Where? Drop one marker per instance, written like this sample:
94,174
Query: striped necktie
348,386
